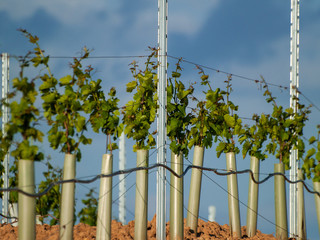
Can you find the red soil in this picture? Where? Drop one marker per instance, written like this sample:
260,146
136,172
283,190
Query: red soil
206,230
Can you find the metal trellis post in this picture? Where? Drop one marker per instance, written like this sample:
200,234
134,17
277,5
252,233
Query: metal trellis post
162,112
294,84
5,118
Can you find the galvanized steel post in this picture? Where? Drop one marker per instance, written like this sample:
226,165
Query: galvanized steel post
5,118
294,84
162,112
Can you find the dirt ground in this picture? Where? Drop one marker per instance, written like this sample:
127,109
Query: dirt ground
206,230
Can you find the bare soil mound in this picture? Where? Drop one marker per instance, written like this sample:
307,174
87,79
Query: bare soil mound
206,230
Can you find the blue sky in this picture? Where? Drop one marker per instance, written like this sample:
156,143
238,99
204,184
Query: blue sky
249,38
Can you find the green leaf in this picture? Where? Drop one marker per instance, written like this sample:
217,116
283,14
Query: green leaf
220,148
176,74
245,148
131,86
311,152
229,120
65,80
49,98
204,77
46,85
312,140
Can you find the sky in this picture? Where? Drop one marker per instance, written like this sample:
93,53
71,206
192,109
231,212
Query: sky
248,38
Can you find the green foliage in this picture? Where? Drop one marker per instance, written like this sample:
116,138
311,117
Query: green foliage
49,204
104,113
68,101
13,181
311,162
63,110
24,116
178,118
205,116
214,119
253,137
140,113
285,128
88,214
229,125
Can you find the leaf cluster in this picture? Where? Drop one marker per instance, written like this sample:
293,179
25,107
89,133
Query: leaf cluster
88,214
253,137
65,111
230,124
24,117
50,202
204,119
285,129
178,118
311,162
13,181
104,113
214,119
140,113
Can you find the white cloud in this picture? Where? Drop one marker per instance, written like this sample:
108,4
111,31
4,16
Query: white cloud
143,27
188,16
273,67
185,16
68,12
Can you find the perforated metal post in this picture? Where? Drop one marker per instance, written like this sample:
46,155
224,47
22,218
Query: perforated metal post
294,84
5,118
162,112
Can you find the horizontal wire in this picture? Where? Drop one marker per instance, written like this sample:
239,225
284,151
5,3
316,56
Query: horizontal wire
170,56
128,210
229,73
190,62
242,203
245,205
89,57
8,217
311,102
245,78
225,190
115,200
184,206
156,166
175,174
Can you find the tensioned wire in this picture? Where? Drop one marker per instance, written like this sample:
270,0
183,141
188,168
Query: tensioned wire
242,203
84,177
172,172
192,63
76,180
